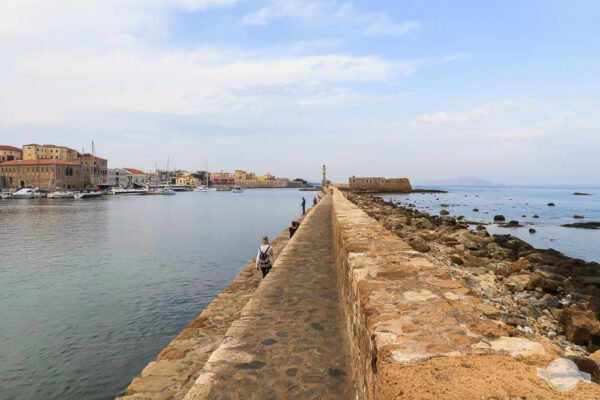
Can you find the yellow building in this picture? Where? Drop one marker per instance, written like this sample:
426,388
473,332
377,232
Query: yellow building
267,177
49,152
188,181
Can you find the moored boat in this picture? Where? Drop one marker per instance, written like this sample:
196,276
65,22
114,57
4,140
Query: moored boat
25,193
129,191
205,189
60,195
88,195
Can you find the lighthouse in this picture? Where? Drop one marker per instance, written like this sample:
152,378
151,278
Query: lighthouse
324,181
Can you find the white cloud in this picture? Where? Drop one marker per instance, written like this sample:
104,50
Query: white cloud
33,17
327,13
383,26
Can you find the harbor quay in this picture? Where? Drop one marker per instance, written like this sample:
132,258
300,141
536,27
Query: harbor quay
352,311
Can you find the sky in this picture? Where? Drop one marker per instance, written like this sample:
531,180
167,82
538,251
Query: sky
507,91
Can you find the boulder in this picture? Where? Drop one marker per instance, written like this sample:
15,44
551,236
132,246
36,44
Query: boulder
580,326
536,216
578,216
531,230
444,212
522,264
499,218
476,210
551,204
419,244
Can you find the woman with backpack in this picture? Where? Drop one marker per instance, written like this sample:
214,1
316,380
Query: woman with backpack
264,258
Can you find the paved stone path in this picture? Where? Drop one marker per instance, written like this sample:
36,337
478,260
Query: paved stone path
293,343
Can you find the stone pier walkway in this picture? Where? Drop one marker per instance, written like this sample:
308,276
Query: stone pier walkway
290,342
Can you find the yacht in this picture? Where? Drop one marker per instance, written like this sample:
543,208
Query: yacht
61,195
25,193
88,195
204,189
129,191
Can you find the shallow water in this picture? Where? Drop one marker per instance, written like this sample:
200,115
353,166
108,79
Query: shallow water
92,290
513,203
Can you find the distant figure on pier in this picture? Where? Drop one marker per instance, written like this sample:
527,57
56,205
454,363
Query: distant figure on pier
315,201
294,228
264,258
303,205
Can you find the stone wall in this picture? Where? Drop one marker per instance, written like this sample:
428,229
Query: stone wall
415,333
276,183
380,185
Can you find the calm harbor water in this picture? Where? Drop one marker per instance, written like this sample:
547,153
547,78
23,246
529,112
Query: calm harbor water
521,204
91,290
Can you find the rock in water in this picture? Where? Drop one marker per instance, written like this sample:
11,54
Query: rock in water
551,204
476,210
499,218
531,230
536,216
578,216
585,225
444,212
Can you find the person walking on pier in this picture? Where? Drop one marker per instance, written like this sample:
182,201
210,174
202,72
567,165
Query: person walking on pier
303,205
294,228
264,258
315,201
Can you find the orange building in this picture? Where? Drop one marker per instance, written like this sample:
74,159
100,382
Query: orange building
9,153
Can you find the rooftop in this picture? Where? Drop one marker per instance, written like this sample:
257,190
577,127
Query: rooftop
38,162
10,148
134,171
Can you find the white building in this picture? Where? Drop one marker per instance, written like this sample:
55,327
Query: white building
125,177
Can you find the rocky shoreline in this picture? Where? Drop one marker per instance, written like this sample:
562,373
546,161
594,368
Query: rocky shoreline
536,292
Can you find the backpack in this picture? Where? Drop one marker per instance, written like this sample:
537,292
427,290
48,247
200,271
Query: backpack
264,257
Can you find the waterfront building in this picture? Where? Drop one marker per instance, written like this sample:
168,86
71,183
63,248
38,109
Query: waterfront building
45,174
116,177
10,153
222,179
267,177
188,180
94,170
49,152
135,177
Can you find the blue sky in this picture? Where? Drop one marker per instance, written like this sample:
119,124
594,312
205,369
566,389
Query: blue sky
505,91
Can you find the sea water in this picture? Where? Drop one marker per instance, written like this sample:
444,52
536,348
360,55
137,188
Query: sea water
92,290
521,204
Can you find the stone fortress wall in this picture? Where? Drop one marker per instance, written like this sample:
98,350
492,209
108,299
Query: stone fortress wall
379,185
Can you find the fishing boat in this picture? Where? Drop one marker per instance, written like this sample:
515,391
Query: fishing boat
25,193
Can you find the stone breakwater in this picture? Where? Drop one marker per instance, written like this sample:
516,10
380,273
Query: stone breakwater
178,365
353,310
418,333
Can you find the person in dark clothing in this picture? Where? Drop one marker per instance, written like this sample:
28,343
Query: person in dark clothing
294,228
315,201
303,205
264,258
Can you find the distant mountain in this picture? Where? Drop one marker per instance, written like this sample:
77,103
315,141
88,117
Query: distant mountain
460,182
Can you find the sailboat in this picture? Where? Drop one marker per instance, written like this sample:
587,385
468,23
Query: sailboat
58,194
89,193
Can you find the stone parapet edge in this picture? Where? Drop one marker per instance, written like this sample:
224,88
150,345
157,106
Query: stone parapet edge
404,312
